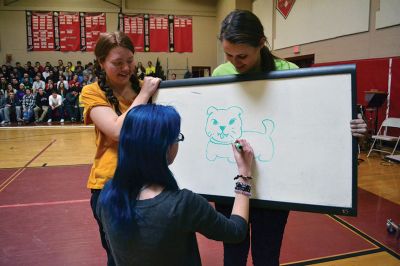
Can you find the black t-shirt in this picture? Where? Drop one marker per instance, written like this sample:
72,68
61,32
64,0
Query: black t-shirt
165,231
42,100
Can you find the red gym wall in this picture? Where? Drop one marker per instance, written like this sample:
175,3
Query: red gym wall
373,74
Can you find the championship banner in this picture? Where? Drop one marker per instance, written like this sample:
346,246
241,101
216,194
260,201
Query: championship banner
159,33
95,23
83,31
56,32
29,35
69,26
183,40
284,7
171,33
40,31
146,33
133,26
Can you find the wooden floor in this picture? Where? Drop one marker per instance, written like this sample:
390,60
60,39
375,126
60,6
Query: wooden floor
37,148
380,176
63,145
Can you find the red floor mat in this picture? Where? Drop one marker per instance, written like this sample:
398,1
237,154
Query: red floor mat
373,211
54,224
64,234
310,236
46,184
5,175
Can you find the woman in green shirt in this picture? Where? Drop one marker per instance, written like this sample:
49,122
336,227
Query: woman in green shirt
243,40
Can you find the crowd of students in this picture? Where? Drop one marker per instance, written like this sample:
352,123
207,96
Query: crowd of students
41,93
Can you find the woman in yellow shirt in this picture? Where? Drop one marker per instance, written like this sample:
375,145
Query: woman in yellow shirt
106,103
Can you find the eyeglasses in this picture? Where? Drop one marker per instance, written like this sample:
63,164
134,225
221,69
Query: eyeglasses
180,137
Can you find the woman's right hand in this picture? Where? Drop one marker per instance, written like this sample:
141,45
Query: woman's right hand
244,160
244,157
150,86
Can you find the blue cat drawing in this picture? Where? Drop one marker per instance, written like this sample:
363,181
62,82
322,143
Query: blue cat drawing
225,125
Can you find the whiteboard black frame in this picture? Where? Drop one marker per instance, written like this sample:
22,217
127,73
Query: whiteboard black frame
304,72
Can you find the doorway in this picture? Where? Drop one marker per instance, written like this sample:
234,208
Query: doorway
302,61
201,71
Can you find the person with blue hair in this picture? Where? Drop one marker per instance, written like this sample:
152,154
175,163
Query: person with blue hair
146,217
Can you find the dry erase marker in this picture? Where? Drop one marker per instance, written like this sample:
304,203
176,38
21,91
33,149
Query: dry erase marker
238,146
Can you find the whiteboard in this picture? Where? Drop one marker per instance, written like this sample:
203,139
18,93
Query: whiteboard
297,121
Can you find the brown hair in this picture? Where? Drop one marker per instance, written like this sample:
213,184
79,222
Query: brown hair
243,27
106,42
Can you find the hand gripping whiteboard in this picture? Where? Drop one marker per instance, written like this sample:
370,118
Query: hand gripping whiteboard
298,122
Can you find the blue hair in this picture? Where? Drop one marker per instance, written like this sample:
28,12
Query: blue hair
146,135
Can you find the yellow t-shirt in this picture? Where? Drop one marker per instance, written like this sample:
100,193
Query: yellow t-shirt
105,159
150,70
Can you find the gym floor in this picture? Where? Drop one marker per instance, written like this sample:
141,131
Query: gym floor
46,218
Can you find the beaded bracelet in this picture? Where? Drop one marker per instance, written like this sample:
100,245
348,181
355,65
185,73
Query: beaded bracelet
244,177
243,188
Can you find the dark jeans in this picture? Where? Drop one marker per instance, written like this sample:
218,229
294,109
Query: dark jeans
267,228
93,204
60,110
72,112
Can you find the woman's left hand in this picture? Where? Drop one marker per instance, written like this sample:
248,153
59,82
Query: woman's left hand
358,127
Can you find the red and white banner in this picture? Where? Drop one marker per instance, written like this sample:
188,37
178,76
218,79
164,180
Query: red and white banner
73,31
158,31
183,39
69,25
133,26
95,23
40,31
284,7
63,31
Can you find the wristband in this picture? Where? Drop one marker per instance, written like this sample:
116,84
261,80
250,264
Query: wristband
243,188
244,177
